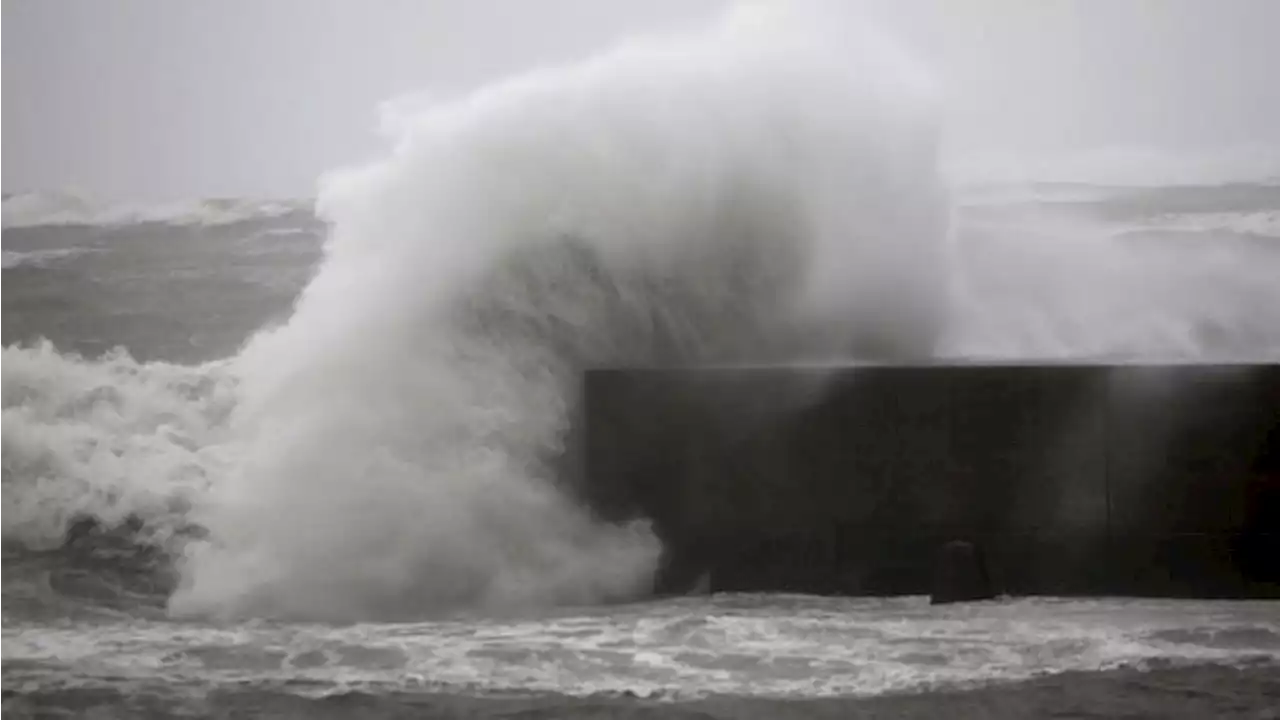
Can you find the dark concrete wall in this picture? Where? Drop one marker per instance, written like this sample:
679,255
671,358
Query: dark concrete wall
1075,479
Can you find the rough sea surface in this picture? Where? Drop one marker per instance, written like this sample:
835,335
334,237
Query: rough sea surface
85,618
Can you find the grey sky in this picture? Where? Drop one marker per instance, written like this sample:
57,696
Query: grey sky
153,99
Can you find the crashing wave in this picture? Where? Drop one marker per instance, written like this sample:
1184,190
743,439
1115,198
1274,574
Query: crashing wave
678,200
41,258
109,440
1209,224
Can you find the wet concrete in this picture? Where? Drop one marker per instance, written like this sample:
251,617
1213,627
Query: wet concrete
1071,479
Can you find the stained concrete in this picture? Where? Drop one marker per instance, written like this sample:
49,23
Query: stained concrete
1073,479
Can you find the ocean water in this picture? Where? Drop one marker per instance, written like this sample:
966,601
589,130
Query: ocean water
307,449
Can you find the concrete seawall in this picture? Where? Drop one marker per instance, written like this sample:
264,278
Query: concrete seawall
1074,479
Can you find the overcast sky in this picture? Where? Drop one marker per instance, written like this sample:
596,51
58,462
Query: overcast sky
156,99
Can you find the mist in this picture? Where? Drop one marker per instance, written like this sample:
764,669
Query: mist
152,100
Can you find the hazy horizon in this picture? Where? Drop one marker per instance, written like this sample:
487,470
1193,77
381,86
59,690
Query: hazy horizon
154,100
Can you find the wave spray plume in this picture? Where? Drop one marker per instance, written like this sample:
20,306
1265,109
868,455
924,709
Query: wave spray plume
763,189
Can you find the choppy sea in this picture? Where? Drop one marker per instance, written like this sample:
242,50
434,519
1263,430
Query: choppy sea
103,320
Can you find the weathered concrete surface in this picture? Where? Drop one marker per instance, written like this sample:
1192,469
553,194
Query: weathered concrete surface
1073,479
960,574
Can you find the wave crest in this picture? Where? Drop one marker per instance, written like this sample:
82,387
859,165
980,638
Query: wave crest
68,208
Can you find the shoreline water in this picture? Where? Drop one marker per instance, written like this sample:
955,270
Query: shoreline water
1191,692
